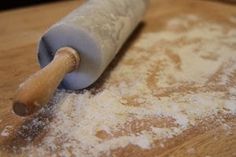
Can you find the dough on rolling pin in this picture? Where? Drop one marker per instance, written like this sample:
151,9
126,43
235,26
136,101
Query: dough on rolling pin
96,30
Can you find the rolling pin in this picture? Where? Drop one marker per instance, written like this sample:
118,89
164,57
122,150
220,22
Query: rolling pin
74,52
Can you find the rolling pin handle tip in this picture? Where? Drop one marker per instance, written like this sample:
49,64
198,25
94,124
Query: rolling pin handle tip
20,109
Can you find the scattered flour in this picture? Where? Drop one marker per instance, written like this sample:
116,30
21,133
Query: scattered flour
7,130
185,75
231,106
191,151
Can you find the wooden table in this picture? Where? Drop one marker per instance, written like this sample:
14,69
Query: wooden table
20,30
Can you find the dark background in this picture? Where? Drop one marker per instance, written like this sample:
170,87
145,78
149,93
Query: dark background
10,4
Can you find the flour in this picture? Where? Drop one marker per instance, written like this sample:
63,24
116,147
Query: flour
230,105
163,85
7,130
191,151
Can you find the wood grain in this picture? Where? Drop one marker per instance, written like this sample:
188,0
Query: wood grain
20,30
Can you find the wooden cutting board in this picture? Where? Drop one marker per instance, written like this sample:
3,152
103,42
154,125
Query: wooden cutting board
20,30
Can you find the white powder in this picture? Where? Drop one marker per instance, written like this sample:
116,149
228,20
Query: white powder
231,106
163,85
191,151
7,130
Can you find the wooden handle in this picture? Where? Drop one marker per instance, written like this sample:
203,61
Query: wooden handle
36,91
